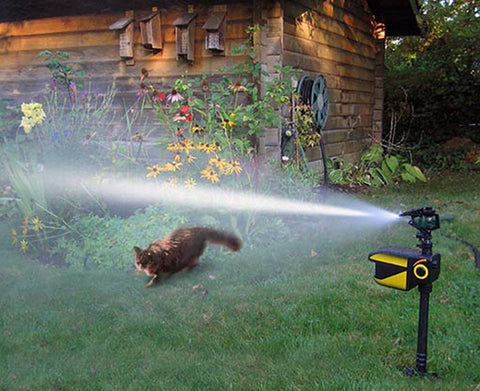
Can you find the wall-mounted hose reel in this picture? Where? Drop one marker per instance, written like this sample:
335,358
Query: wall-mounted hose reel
312,93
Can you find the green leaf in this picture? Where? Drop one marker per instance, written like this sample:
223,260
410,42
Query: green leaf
373,154
336,176
407,177
384,176
44,53
415,172
392,163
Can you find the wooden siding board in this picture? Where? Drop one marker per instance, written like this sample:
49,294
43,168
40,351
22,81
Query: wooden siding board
326,36
331,12
324,52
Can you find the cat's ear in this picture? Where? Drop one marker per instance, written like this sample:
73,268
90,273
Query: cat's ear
138,250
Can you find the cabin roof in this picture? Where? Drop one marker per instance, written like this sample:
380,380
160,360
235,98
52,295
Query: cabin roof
401,17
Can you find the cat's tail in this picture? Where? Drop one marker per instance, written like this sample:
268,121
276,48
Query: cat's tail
224,238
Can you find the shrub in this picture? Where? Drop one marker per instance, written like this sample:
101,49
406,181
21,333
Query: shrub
374,169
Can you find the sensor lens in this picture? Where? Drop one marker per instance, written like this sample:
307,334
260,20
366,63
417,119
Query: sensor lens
420,271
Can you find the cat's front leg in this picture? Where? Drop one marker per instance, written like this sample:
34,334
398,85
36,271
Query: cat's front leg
153,280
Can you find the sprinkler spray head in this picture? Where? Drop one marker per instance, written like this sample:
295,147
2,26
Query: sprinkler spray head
424,219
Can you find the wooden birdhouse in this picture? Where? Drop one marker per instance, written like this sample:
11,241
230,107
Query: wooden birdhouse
185,36
215,32
125,28
151,30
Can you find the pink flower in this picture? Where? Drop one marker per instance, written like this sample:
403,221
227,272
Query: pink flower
181,117
174,96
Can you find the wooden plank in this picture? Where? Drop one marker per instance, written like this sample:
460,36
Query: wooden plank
333,39
53,42
61,25
305,48
337,72
241,10
340,12
347,122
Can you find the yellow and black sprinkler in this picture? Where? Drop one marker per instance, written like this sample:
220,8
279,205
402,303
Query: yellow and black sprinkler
405,268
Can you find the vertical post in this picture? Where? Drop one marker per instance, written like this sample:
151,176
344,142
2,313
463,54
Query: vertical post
423,328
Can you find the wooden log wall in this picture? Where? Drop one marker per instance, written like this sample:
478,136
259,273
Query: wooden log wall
94,48
335,38
329,37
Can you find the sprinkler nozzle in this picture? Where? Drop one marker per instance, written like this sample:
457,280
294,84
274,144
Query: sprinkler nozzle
424,219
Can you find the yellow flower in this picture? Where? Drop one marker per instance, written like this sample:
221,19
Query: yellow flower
237,169
154,171
226,169
174,166
190,158
190,183
217,162
27,124
14,236
137,137
37,224
197,129
227,123
23,245
232,167
177,158
209,147
210,174
25,226
176,147
188,145
32,114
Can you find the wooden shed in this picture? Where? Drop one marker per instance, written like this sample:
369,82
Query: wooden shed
343,40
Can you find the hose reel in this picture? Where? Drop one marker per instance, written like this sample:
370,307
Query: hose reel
313,93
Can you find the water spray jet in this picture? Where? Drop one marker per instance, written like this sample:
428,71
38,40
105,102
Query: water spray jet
144,193
405,268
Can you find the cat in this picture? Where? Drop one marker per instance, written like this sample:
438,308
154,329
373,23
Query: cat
180,250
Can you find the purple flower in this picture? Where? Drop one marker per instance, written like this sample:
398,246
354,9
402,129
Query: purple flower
174,96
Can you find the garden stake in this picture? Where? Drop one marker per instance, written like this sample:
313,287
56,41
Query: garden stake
405,268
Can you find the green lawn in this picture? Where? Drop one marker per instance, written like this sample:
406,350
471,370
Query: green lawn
274,318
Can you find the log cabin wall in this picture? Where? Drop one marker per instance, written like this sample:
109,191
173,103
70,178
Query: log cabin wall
94,48
335,38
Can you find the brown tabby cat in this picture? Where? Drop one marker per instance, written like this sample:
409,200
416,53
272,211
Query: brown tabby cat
180,250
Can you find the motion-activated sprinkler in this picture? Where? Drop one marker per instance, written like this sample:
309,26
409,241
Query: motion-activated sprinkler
405,268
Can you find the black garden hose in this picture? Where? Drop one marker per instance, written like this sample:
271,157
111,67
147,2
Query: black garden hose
476,252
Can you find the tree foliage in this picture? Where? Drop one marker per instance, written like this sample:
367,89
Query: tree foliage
432,83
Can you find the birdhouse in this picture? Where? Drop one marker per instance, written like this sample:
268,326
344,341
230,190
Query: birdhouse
125,28
185,36
215,32
151,30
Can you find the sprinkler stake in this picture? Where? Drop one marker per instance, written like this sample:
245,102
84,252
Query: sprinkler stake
405,268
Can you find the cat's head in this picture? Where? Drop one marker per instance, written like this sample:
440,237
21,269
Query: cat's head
142,258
